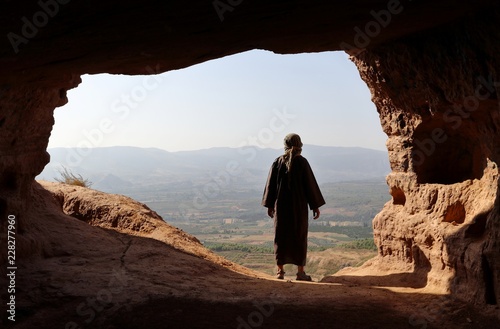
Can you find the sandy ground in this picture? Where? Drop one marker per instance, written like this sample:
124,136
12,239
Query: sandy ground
95,277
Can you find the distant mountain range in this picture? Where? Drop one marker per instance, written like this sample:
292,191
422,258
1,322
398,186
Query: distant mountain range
115,169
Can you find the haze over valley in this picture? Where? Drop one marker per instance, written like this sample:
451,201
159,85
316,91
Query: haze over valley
202,179
215,194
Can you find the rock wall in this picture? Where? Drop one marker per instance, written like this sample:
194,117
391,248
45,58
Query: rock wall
435,92
26,119
437,96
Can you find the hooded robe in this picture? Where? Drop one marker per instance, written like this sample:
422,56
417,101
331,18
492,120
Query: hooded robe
290,194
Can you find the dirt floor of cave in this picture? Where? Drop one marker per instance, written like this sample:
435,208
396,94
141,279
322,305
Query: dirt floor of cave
94,277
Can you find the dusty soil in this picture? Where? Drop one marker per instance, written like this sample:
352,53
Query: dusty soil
84,276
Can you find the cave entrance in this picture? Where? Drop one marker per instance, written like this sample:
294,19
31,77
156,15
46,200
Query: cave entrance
195,145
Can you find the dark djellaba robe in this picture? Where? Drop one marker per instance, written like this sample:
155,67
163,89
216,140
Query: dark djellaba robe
290,198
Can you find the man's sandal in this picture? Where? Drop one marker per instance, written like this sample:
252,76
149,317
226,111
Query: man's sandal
302,276
280,275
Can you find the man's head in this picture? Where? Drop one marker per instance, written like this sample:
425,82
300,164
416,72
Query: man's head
292,140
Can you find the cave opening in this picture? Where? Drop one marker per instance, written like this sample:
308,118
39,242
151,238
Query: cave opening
224,102
175,116
437,45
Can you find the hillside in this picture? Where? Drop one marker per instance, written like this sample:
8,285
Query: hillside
133,270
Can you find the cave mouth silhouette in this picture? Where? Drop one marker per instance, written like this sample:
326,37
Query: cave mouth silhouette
133,102
427,60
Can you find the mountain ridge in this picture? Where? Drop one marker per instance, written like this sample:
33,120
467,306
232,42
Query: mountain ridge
116,167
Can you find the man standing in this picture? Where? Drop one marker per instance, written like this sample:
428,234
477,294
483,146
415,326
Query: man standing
290,189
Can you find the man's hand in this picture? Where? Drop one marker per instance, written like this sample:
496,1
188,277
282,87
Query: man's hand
316,213
270,212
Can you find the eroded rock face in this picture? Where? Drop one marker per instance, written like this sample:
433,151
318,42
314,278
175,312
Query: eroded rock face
437,95
435,92
26,119
125,215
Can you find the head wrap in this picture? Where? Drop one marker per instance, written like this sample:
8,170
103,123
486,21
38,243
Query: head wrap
292,140
293,147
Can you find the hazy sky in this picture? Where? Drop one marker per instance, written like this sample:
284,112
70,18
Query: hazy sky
250,98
